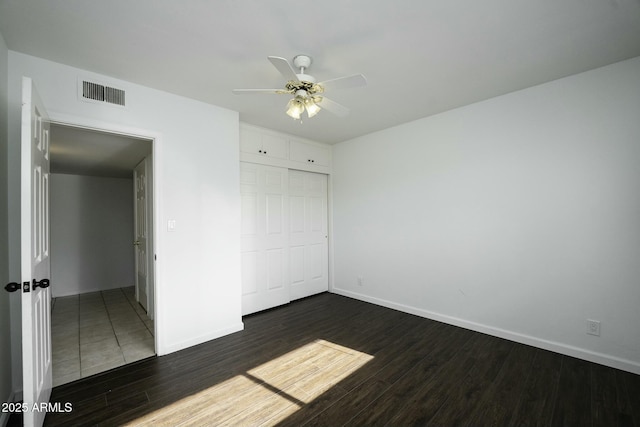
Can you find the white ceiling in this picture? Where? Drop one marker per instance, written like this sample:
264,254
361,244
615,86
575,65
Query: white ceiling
421,57
77,151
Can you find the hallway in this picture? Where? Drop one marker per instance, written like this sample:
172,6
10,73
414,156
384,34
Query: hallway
98,331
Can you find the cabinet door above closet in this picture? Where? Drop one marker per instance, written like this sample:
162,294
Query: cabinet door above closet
310,154
264,144
272,148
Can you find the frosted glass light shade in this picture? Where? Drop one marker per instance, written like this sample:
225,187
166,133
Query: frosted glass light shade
295,108
312,107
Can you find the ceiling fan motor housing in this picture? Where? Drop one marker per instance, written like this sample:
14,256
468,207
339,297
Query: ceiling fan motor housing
305,85
302,61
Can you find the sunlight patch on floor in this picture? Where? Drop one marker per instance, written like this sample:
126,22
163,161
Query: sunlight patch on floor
267,394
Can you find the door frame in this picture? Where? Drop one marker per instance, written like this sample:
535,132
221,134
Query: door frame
62,119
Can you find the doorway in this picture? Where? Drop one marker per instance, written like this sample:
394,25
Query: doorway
98,320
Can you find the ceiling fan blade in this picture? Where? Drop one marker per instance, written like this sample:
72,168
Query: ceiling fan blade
333,107
284,67
266,91
344,82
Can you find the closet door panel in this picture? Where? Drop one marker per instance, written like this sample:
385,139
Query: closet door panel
296,219
316,257
265,240
308,262
275,269
296,264
274,215
249,273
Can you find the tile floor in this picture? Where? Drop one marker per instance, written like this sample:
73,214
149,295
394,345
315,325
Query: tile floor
98,331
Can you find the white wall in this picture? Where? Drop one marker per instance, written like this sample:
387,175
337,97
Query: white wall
91,234
196,165
5,322
518,216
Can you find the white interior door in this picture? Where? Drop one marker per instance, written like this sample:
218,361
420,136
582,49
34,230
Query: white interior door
36,295
265,277
308,234
141,232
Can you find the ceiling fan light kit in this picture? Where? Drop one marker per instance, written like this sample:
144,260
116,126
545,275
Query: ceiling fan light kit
311,106
304,88
295,108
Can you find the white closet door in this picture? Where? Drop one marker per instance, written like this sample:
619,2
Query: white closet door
308,247
265,240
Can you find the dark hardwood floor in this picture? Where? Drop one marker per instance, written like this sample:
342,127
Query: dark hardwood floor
330,360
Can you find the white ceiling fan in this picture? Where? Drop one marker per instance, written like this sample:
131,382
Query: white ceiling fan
307,93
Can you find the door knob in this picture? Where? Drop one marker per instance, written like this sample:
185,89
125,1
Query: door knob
44,283
13,286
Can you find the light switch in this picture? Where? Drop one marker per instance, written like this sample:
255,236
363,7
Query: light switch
171,225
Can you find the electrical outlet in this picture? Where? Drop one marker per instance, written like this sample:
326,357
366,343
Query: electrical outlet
360,281
593,327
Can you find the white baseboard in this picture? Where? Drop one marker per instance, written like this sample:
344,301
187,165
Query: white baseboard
580,353
163,350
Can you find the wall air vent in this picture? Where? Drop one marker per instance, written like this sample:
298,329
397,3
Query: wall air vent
91,91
